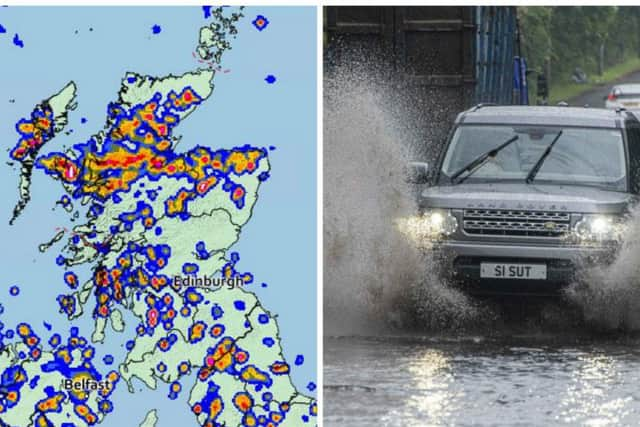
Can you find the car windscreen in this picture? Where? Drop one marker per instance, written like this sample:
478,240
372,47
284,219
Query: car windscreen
584,156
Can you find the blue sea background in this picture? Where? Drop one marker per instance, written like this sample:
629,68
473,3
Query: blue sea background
95,47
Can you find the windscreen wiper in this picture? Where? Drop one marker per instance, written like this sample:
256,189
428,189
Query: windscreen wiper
475,164
536,168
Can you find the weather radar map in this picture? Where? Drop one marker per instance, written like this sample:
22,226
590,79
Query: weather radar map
158,243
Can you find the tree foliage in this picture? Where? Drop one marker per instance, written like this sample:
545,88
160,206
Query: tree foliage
572,36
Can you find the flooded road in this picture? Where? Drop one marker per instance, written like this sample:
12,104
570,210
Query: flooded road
406,349
473,380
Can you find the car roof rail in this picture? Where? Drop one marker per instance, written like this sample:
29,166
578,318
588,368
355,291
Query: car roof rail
482,105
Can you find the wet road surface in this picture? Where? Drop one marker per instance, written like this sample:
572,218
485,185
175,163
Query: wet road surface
595,97
519,380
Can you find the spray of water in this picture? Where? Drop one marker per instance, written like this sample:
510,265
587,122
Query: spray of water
609,296
375,279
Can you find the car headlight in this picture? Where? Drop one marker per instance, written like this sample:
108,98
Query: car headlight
432,225
598,228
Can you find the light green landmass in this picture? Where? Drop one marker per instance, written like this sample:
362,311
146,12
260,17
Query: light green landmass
217,222
144,87
243,327
23,413
117,322
251,340
214,219
131,94
213,42
151,419
56,238
61,104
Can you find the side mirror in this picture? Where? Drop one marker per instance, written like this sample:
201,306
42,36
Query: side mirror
417,173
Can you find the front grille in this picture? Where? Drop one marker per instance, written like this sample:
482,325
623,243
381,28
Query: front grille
516,223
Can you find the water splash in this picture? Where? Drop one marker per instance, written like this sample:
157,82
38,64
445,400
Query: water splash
609,296
374,279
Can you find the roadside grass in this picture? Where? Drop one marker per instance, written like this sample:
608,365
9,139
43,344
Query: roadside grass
567,90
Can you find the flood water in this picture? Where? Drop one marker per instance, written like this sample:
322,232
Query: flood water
522,380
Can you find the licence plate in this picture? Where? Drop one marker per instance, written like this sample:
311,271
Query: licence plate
492,270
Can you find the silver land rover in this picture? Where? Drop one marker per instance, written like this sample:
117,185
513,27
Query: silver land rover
522,197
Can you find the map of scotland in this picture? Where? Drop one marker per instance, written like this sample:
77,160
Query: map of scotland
147,287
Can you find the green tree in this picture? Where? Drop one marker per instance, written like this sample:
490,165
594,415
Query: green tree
590,37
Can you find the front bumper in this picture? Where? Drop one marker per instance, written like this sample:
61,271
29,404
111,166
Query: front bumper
459,262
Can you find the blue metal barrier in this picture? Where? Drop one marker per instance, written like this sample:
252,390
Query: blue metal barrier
494,54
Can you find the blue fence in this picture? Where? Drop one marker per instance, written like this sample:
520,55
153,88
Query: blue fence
495,44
